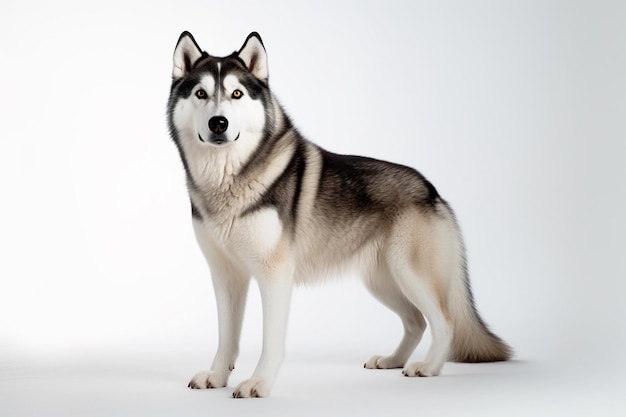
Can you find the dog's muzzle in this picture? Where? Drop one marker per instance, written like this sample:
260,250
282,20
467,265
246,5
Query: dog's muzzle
217,127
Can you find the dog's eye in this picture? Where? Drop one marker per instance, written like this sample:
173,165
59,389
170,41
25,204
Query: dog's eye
237,94
201,94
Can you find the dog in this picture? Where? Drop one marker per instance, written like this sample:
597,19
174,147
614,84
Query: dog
267,203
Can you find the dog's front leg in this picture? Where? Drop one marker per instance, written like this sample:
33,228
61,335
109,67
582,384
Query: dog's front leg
275,298
231,290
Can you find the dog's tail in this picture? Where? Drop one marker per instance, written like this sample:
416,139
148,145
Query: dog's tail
472,340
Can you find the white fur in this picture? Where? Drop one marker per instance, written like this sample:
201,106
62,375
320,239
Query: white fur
192,116
246,248
245,115
235,247
413,263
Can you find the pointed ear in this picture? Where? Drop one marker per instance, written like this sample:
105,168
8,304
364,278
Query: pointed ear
186,53
253,55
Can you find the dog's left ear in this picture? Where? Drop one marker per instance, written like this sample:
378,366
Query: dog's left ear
253,55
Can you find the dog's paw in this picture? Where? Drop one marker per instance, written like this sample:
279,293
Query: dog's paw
208,379
420,369
383,362
253,387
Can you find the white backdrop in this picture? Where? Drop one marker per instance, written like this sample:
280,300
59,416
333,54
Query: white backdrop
516,111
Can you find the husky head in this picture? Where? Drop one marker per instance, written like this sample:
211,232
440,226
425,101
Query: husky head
219,102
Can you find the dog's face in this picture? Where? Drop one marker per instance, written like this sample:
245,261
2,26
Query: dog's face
218,101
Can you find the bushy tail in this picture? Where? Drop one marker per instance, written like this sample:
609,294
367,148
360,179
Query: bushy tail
472,340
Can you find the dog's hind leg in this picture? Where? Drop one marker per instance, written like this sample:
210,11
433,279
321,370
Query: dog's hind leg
419,291
385,290
421,257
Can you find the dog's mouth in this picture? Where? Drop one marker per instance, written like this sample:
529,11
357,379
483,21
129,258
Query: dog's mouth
217,139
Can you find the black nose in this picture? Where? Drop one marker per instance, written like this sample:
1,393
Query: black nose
218,124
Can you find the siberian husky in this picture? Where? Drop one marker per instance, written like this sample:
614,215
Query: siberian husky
267,203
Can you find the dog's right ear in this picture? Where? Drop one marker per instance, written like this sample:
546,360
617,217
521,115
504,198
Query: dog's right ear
187,52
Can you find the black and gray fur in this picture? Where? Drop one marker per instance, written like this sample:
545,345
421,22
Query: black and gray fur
335,212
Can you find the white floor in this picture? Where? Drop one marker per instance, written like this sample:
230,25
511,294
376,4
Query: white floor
318,385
